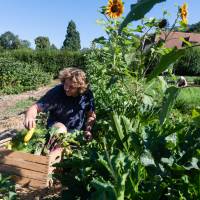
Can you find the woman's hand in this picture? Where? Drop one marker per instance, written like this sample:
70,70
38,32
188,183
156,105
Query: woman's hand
29,122
88,135
30,117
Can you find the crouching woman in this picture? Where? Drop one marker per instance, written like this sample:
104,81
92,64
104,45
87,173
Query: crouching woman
70,104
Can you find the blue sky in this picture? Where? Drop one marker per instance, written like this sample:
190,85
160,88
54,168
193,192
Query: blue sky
32,18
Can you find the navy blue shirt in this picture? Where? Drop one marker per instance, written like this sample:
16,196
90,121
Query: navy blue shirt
71,111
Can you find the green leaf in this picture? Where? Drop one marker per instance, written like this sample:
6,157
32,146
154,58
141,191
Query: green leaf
185,41
165,62
104,190
12,195
121,186
168,102
138,11
105,164
163,84
147,159
195,113
193,164
119,129
129,58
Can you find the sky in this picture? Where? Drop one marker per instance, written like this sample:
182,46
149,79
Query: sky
32,18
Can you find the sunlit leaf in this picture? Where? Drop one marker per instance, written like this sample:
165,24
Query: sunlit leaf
168,102
165,62
138,11
147,159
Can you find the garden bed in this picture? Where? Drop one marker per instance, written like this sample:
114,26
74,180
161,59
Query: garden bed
29,169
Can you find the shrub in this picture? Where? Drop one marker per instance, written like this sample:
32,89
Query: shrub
197,81
51,61
189,64
16,76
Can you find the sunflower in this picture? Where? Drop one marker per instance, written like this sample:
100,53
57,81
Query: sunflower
114,8
184,13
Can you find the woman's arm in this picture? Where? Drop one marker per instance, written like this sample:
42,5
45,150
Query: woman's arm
31,115
91,118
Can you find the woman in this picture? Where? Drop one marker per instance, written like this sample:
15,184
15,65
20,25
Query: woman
70,104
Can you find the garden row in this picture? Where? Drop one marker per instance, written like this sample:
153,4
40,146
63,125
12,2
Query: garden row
22,70
26,69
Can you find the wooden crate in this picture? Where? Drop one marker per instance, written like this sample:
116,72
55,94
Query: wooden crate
29,169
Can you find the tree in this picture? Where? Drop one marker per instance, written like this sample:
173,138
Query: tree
9,41
42,43
72,38
194,28
53,46
25,44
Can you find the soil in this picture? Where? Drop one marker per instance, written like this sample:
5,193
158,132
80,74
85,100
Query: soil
52,193
14,120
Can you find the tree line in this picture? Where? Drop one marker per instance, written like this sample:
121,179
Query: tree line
9,41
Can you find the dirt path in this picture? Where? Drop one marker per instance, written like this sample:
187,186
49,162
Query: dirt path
12,107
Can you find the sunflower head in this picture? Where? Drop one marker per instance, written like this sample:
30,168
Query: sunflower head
184,13
114,8
162,23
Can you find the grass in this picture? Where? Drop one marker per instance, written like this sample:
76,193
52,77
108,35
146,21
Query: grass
20,106
191,78
188,99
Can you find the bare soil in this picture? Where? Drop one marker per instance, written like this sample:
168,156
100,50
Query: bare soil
14,120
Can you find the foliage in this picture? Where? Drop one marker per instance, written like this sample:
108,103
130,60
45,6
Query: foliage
197,81
135,161
168,102
138,11
34,146
18,76
189,63
72,38
25,44
42,141
143,149
188,99
42,43
7,188
10,41
49,60
194,28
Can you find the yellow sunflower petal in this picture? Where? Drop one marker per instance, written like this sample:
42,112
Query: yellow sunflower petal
184,13
115,8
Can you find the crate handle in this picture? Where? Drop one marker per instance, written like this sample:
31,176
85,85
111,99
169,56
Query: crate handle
58,157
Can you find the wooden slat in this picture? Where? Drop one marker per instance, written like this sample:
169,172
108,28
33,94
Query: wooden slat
30,182
23,172
55,156
6,140
24,164
16,155
29,169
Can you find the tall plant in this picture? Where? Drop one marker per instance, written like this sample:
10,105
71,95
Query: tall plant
139,154
123,59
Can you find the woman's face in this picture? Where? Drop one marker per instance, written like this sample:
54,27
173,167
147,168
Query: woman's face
70,88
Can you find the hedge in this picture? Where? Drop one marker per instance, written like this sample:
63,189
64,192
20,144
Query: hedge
16,76
51,61
189,64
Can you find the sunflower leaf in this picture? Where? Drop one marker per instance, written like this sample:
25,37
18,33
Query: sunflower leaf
168,102
138,11
165,62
